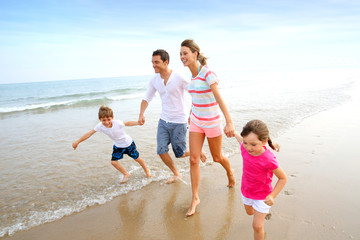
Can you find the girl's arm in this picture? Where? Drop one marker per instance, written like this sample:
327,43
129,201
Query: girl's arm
83,138
229,127
132,123
238,137
281,175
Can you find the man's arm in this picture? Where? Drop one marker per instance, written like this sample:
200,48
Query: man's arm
143,106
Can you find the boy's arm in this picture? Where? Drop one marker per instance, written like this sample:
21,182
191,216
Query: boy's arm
238,137
281,175
83,138
132,123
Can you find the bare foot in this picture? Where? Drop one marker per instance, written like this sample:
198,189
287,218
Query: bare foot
203,157
148,174
125,178
192,208
232,180
173,179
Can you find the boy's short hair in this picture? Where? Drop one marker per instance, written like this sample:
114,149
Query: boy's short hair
163,55
105,112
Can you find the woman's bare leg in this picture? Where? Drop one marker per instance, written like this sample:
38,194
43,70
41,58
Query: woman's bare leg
215,145
196,141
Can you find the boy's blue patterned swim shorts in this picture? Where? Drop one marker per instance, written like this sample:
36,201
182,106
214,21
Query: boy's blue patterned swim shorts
131,150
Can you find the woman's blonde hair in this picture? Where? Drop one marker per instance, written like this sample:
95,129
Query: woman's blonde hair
194,48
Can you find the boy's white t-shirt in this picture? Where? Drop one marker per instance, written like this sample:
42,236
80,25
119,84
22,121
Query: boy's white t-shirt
116,133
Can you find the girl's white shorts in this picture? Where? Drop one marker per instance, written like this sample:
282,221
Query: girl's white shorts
258,205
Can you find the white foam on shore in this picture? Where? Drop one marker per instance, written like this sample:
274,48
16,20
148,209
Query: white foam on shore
36,218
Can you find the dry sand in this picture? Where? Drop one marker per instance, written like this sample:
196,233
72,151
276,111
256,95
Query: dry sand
320,200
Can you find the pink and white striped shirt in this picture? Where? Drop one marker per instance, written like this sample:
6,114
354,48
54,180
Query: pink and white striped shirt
204,109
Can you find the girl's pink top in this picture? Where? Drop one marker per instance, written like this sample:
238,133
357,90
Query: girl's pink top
257,174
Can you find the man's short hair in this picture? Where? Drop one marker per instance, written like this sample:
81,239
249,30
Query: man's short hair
163,55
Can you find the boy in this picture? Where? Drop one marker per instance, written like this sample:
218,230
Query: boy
123,143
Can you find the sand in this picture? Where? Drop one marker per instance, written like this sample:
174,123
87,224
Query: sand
320,200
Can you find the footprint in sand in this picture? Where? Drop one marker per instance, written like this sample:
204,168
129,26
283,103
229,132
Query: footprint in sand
268,216
289,192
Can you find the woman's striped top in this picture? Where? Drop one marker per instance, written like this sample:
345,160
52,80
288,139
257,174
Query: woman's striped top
204,110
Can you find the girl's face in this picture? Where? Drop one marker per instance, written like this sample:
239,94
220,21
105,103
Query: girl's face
107,121
187,56
253,145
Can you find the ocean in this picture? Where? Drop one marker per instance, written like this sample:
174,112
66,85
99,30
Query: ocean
42,178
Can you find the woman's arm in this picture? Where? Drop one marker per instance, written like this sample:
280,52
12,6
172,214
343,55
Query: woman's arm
229,127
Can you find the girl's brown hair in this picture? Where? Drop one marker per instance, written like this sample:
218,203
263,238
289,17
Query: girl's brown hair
105,112
259,128
194,48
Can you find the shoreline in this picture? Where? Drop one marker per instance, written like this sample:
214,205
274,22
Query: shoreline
318,202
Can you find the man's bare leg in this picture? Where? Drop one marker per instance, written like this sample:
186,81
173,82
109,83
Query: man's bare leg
165,157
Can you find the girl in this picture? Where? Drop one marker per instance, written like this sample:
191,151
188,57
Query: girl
259,165
204,117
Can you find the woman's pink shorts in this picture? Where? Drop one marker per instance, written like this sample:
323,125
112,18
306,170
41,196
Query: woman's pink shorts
209,132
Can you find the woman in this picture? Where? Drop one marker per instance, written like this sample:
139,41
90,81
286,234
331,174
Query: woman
204,117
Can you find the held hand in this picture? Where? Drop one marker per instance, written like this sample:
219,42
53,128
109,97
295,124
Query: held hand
229,130
141,119
277,147
269,200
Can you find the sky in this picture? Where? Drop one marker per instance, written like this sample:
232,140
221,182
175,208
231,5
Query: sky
61,40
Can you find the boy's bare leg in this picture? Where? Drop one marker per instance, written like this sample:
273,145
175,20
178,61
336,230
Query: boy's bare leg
165,157
143,165
118,166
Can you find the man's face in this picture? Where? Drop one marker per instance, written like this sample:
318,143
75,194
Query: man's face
158,64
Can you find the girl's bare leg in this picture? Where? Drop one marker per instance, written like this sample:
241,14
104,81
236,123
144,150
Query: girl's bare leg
196,141
215,149
258,225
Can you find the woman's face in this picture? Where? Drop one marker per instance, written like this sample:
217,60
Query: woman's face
187,56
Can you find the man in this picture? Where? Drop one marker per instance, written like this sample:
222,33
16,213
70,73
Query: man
172,126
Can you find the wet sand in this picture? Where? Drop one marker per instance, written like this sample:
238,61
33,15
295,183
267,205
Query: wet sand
320,200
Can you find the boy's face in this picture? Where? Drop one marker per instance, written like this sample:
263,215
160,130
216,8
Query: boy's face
107,121
253,145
